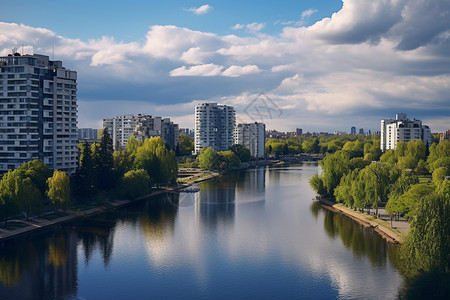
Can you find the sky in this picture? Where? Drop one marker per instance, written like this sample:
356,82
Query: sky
317,65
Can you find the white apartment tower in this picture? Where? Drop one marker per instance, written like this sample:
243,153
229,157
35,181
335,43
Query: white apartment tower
214,126
38,112
251,136
401,129
121,128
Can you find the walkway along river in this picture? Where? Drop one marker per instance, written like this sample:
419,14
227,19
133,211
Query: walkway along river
249,234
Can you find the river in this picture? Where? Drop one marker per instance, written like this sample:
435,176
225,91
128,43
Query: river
250,234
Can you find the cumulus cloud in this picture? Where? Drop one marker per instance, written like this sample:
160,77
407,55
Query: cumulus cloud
236,71
198,70
370,59
200,10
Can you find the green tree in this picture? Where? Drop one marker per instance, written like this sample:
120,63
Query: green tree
208,159
105,162
85,176
439,156
8,202
123,162
38,172
389,157
59,189
334,167
28,196
427,246
135,183
316,183
228,160
241,151
132,144
185,145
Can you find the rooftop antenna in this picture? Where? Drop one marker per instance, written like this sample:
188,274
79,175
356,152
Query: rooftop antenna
53,54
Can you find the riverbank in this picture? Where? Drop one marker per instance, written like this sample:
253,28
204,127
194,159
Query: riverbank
380,226
17,227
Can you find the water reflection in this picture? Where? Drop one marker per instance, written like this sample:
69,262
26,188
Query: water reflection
215,204
41,268
360,239
246,234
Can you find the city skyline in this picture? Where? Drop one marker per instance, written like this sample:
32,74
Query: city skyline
326,66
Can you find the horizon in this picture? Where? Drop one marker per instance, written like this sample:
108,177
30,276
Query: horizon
326,67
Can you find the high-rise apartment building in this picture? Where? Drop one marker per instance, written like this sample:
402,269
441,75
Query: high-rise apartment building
148,127
353,130
38,112
121,128
214,126
251,136
401,129
142,127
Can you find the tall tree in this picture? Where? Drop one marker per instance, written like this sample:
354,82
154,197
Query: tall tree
105,162
334,167
185,145
208,159
85,176
28,195
59,189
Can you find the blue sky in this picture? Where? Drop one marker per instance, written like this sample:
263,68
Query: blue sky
326,65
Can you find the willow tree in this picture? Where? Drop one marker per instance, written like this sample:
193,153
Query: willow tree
59,189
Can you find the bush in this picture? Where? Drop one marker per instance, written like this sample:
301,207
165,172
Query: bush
135,183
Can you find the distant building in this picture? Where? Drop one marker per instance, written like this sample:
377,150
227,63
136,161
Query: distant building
361,131
445,135
214,126
187,132
38,113
148,127
401,129
121,128
340,133
89,134
298,132
353,130
251,136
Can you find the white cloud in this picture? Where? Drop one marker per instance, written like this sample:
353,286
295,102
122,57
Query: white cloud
238,27
255,26
308,13
200,10
198,70
368,59
236,71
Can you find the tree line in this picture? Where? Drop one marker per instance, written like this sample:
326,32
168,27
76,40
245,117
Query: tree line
325,144
102,172
410,180
29,187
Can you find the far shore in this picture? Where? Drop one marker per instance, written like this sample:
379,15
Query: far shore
38,223
382,227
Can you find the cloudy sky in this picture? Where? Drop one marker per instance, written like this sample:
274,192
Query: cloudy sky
318,65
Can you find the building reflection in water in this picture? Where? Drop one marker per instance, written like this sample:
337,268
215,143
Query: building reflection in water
157,223
251,186
39,268
215,203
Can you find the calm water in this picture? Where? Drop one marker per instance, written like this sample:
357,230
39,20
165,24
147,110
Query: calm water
253,234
